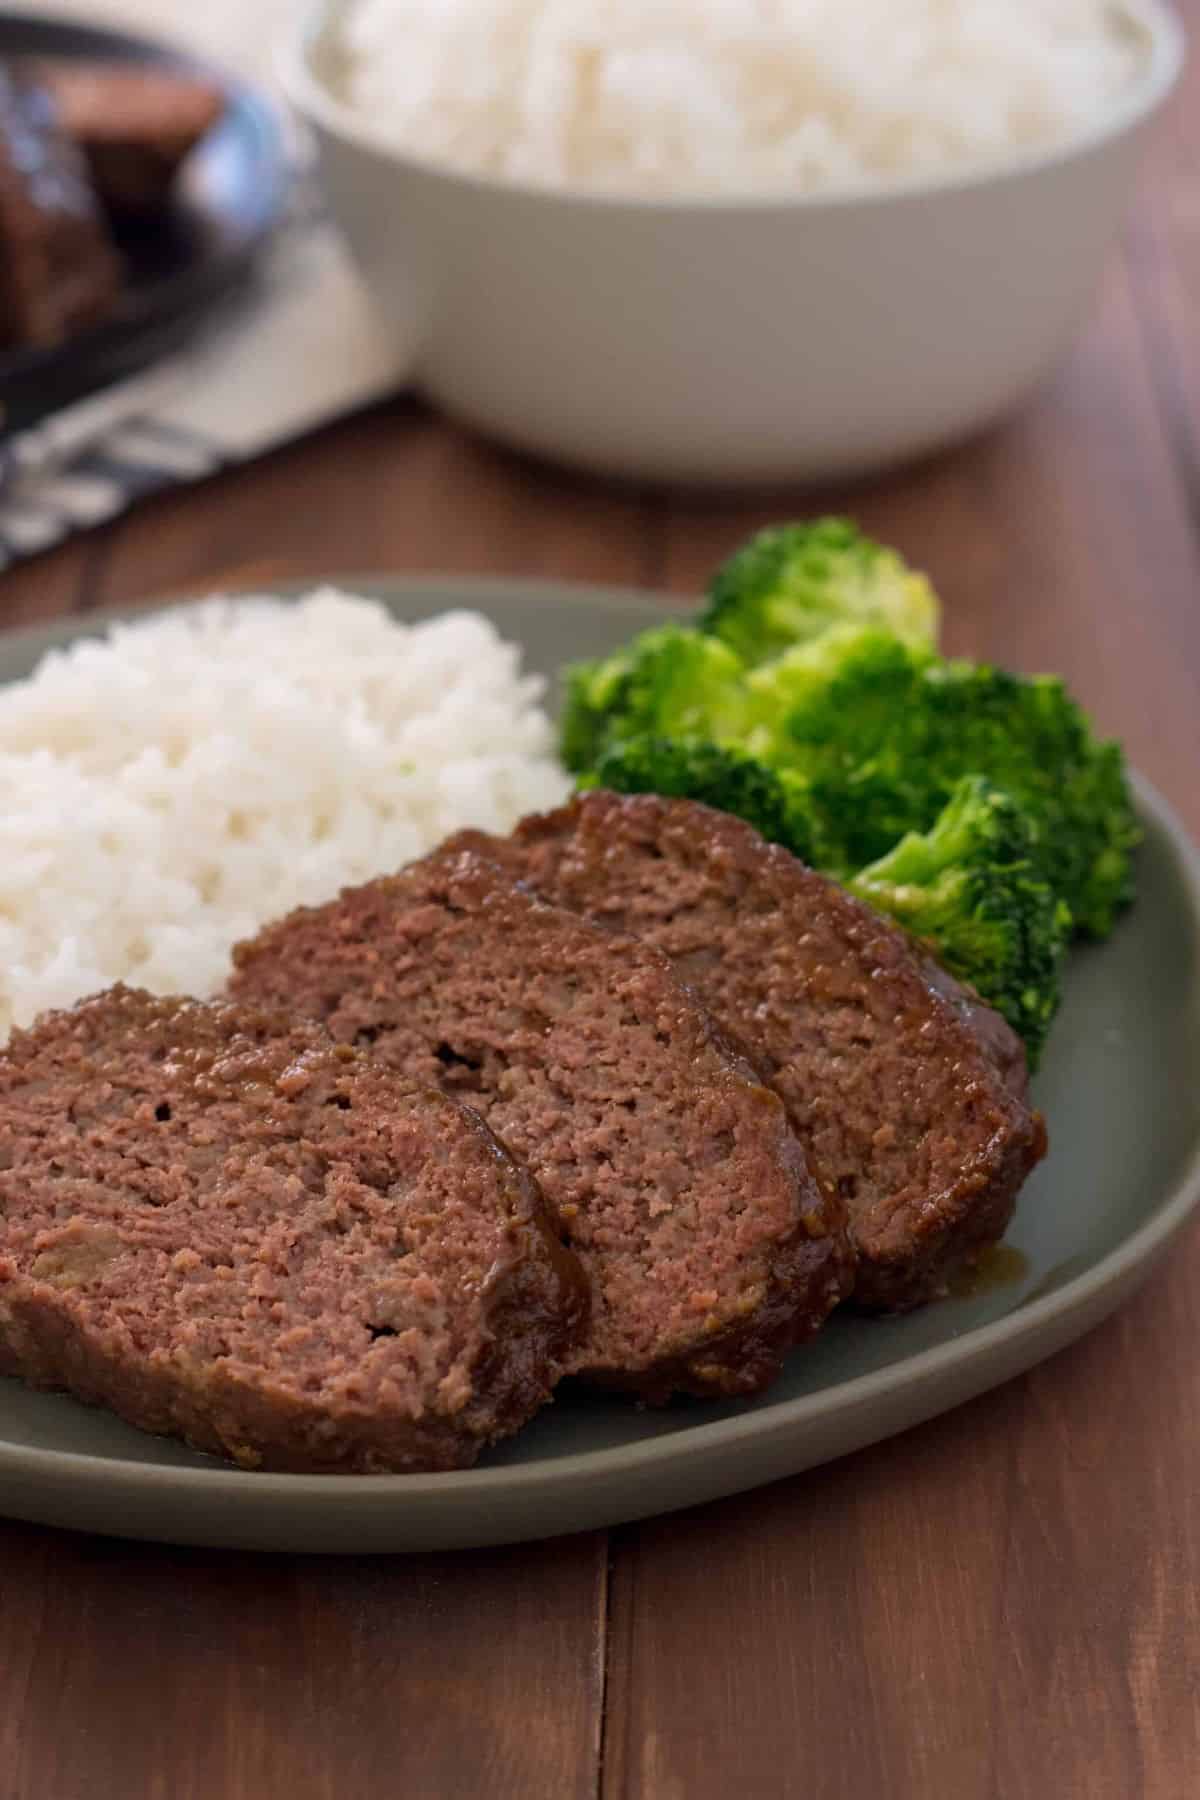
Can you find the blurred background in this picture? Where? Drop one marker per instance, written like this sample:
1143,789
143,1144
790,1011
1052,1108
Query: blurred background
655,258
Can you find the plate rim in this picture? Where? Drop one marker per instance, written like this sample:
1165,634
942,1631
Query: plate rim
1082,1295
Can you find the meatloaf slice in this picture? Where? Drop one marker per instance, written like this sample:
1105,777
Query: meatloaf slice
135,122
908,1094
59,271
672,1169
227,1228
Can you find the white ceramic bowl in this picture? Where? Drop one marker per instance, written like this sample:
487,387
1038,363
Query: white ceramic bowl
731,342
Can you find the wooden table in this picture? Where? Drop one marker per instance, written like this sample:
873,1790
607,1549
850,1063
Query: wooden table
1000,1604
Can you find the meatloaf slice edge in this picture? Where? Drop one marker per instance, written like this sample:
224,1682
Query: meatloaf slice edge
225,1227
672,1169
908,1094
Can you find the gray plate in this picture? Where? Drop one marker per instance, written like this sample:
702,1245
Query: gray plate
1123,1175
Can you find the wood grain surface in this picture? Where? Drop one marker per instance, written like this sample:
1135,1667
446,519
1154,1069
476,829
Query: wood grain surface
1002,1604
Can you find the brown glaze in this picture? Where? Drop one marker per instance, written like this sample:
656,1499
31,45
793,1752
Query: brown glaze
998,1267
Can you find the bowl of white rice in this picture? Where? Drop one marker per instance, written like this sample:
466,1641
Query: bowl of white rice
731,242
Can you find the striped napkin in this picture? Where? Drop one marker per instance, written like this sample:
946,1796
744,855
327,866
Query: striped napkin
300,348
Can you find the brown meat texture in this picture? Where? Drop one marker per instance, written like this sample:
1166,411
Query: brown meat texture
227,1228
59,272
672,1169
135,122
908,1093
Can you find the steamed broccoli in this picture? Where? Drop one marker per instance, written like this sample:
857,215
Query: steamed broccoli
589,689
790,583
871,728
882,733
798,697
670,681
973,890
688,768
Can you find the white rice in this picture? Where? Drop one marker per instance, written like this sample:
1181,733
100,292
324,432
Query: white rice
718,96
167,789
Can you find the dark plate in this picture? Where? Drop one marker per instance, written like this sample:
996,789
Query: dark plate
228,197
1120,1093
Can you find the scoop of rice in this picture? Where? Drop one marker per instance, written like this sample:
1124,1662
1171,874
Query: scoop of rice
712,96
169,788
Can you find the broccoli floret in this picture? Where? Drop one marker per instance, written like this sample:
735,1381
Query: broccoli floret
671,682
790,583
882,733
1030,737
774,803
796,697
876,732
588,692
813,711
972,888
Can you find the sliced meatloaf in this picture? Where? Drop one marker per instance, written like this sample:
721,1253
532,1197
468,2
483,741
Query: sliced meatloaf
908,1093
59,271
227,1228
136,123
672,1169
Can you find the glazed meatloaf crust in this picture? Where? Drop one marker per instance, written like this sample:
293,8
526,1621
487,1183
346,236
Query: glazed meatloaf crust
907,1092
672,1169
227,1228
